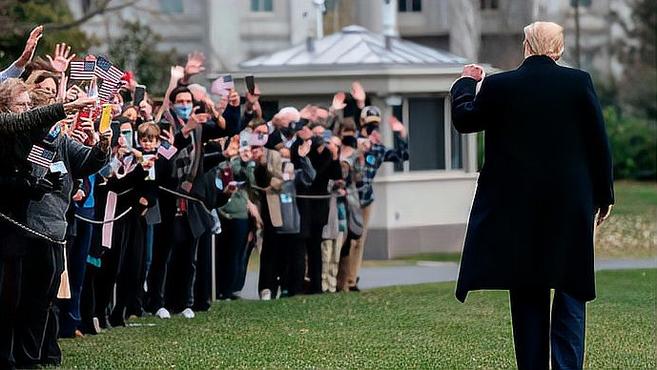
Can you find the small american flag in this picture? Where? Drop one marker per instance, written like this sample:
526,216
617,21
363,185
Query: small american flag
167,150
222,85
107,89
82,69
107,71
40,156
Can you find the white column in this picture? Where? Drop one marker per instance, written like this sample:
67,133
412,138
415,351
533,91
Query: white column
465,28
226,48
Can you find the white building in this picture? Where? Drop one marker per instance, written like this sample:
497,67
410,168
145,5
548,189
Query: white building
423,204
231,31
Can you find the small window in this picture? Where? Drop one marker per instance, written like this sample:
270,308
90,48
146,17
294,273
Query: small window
409,6
489,4
426,134
171,6
262,5
457,149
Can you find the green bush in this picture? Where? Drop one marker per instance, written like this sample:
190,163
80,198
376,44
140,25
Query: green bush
633,145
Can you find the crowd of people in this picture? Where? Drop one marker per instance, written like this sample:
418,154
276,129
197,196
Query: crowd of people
101,223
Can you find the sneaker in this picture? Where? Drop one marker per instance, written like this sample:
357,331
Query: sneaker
265,295
162,313
96,325
188,313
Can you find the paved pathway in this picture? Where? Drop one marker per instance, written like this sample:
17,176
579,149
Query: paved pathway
434,272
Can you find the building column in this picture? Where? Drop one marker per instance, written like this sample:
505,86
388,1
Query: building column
226,49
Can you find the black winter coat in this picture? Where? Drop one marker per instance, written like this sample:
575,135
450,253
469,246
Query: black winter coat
547,170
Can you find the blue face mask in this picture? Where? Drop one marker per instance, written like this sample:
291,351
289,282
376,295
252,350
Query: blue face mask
183,110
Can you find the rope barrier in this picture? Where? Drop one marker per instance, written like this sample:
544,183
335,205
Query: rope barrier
31,231
96,222
188,197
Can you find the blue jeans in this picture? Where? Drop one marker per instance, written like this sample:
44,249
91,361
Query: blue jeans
534,332
69,314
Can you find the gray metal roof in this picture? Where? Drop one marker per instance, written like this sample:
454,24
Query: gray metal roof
353,47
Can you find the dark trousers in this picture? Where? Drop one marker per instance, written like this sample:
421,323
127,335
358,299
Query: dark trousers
76,259
230,250
181,270
203,280
10,273
130,281
313,242
36,325
88,300
270,256
293,269
110,268
243,258
534,331
157,273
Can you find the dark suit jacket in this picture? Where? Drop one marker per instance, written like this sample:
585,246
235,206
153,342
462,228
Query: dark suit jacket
547,170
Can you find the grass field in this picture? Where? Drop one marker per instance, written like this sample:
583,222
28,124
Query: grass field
420,326
630,232
631,229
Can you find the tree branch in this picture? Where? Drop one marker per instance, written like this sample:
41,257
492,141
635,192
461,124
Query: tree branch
103,8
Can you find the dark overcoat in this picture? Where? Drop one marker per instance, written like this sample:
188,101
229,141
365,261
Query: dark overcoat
547,170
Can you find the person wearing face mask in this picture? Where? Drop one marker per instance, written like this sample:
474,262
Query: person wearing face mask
325,160
182,221
374,154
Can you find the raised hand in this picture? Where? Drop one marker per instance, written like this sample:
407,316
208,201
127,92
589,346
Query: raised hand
304,148
474,71
78,104
396,125
338,101
145,110
105,140
30,47
358,94
233,147
194,64
167,135
253,98
221,104
233,98
61,58
87,128
196,119
177,73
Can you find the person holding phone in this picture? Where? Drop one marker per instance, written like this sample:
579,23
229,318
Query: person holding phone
43,261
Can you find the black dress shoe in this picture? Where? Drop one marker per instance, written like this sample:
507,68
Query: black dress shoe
117,320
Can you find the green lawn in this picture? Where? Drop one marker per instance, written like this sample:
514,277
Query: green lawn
420,326
630,232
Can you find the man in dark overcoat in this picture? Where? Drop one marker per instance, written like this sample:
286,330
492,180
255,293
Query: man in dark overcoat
545,185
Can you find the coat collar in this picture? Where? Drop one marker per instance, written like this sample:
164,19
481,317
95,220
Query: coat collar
538,60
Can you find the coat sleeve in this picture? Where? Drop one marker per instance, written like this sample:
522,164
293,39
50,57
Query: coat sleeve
599,151
400,151
470,111
83,160
34,120
13,71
